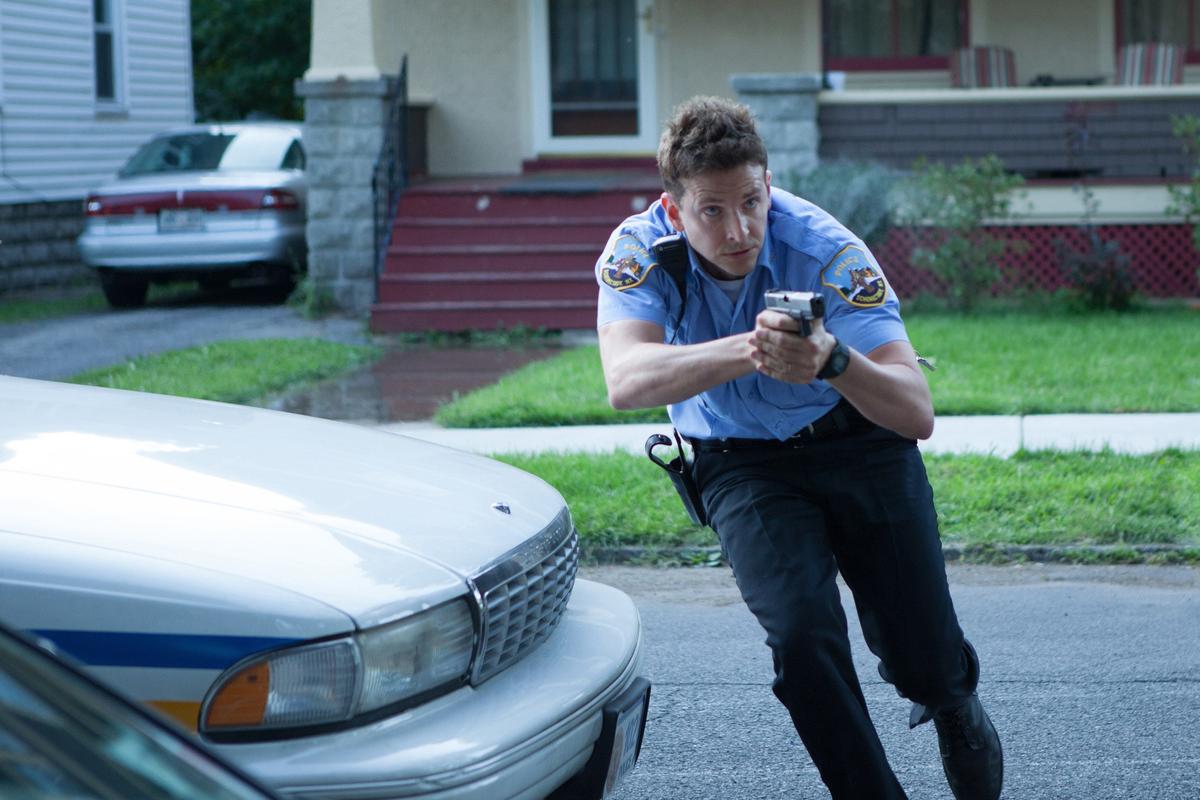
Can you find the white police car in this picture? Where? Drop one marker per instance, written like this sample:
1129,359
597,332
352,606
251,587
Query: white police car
342,612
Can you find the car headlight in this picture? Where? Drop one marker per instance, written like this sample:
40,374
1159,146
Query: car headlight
338,680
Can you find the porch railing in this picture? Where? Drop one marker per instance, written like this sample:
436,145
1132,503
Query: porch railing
1065,133
390,176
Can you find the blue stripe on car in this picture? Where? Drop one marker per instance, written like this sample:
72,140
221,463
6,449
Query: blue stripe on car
173,650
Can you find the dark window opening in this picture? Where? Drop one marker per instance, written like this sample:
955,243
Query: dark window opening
593,68
1169,21
106,69
892,34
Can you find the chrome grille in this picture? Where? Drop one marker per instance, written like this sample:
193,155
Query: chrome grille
523,595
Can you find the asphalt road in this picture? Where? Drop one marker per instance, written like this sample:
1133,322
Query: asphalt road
58,348
1091,674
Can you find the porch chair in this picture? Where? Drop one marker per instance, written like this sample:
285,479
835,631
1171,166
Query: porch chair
1149,64
982,66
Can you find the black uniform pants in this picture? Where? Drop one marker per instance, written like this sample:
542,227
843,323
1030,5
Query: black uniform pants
789,519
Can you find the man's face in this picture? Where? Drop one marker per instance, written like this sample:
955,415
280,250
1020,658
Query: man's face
724,215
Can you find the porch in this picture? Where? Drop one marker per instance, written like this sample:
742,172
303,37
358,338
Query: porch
519,250
1118,133
1115,140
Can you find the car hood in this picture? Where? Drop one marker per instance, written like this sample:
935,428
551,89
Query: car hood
346,515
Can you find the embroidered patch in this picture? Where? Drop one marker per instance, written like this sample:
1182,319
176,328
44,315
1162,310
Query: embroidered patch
852,275
628,264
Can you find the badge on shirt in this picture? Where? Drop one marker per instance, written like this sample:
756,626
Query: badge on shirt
852,275
627,264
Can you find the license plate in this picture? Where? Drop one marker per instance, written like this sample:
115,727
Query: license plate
627,735
176,220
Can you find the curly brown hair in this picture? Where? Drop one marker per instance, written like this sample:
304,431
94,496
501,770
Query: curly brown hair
704,134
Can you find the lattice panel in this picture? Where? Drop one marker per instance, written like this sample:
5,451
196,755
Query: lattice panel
1162,259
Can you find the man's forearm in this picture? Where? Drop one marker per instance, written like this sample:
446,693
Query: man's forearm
886,385
892,395
648,374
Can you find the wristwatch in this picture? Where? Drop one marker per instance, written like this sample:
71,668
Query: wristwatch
839,359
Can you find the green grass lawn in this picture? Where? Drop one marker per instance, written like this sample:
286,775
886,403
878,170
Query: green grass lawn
234,371
1075,363
986,364
85,299
29,307
1041,498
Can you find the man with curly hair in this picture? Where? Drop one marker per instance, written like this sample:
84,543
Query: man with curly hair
804,447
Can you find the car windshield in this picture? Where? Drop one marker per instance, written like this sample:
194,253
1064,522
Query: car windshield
250,149
60,737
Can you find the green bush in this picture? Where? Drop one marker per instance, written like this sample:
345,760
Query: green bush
857,193
312,300
1098,277
1185,200
945,208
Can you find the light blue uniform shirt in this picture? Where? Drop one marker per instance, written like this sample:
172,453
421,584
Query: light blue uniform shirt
805,249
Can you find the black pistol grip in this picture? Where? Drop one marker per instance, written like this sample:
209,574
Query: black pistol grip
805,327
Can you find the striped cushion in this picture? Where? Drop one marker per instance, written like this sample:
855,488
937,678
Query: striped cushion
982,66
1149,63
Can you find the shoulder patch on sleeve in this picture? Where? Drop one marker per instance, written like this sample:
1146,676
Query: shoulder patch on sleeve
855,277
627,264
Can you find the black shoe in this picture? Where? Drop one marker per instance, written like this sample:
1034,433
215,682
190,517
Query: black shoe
970,749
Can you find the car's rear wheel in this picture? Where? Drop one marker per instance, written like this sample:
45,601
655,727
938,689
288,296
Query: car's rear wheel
281,284
123,291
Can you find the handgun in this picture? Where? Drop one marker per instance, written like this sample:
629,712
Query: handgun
804,307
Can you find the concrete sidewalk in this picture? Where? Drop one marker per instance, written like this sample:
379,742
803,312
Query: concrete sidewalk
994,435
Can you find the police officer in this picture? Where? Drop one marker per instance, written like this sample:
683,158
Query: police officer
804,447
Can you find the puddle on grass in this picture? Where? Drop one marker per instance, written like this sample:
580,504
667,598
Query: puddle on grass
409,383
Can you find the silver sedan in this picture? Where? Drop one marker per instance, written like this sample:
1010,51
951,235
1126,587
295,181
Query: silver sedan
211,203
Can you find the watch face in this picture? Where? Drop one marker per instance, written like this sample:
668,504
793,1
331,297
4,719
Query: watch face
840,359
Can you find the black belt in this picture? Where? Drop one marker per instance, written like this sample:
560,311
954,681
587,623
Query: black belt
843,419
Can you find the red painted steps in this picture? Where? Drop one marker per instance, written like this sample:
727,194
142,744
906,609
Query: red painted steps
487,315
485,286
433,230
504,252
516,257
486,205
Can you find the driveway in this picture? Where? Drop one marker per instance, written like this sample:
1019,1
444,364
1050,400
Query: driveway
1092,675
58,348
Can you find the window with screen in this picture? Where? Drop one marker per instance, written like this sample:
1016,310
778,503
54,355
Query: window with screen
593,68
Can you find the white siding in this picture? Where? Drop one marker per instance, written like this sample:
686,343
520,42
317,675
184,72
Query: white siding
55,143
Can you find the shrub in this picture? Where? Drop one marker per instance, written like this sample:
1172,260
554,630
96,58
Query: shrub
857,193
945,208
1099,276
312,300
1185,200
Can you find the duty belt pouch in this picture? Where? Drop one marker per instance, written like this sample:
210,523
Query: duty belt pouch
679,470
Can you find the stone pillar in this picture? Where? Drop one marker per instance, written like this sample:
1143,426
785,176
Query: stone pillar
785,106
343,133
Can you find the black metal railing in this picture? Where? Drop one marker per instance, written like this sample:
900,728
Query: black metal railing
391,168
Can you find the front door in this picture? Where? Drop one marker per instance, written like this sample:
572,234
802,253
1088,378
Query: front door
593,76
